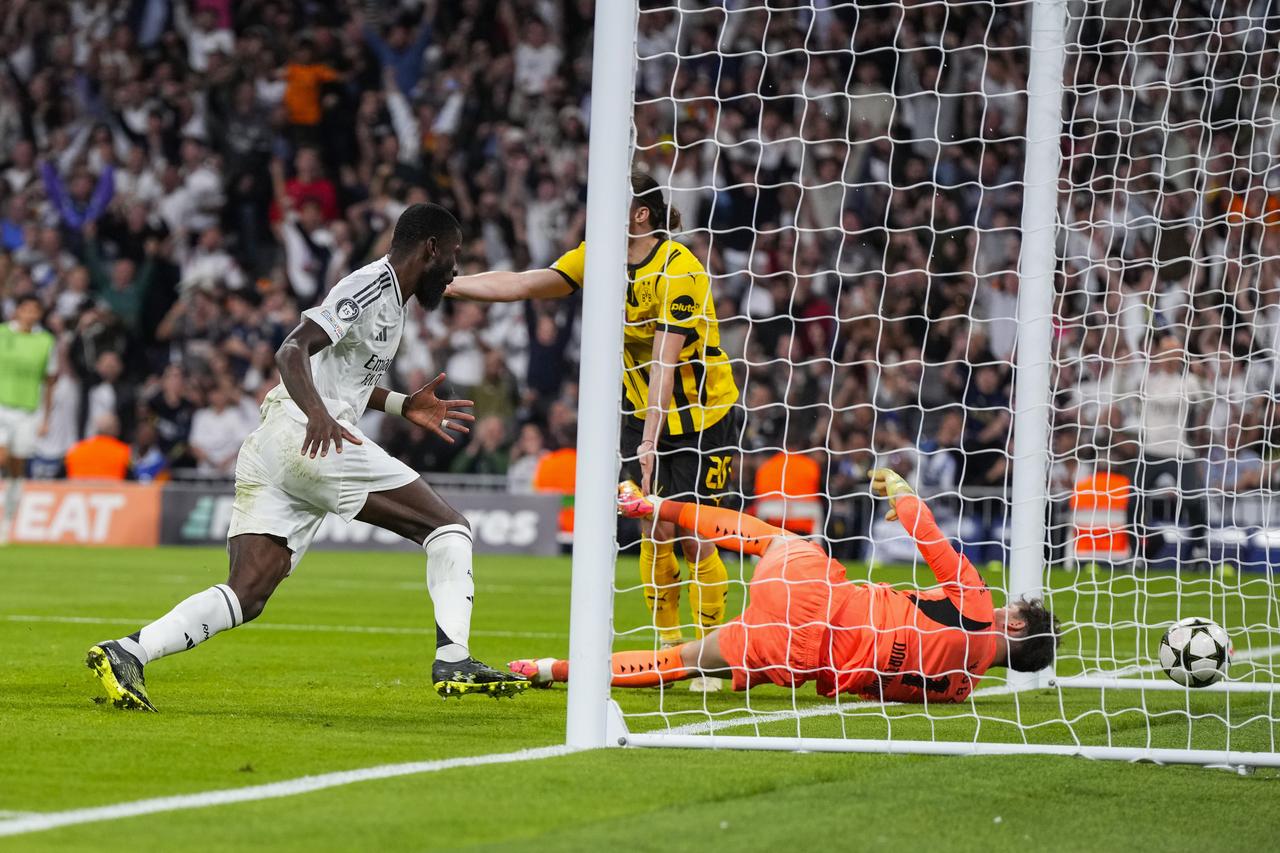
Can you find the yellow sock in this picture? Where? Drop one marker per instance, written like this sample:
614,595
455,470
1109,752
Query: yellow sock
660,575
707,592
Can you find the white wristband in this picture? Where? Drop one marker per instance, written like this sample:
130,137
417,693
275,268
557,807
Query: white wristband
394,404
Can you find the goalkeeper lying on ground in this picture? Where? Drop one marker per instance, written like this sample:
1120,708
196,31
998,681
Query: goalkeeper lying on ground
807,622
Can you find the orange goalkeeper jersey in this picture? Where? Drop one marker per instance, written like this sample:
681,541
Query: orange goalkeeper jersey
926,645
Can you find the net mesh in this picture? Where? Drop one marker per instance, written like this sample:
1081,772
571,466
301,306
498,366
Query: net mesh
850,176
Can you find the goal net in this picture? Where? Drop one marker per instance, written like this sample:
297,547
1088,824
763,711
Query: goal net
1035,269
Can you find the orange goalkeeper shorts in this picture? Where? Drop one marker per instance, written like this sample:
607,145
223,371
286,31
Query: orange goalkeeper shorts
783,635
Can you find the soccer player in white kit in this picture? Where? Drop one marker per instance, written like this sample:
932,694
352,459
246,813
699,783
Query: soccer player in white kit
287,480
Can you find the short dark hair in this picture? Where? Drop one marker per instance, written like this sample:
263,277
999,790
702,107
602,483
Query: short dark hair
1034,648
421,222
19,301
648,194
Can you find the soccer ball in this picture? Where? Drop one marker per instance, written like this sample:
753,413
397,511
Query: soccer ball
1195,652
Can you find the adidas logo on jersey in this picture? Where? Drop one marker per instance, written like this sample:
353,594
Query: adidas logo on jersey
381,336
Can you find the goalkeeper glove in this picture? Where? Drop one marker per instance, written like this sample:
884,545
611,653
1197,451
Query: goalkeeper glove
887,483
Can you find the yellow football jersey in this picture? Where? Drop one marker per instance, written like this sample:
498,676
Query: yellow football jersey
669,291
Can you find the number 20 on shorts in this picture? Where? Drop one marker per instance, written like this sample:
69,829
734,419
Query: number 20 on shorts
719,472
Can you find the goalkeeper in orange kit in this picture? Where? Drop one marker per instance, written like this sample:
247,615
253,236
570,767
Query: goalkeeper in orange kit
807,622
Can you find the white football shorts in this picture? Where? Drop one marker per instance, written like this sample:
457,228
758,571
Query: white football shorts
18,429
280,492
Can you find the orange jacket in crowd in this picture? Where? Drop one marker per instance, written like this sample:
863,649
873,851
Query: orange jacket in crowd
557,472
302,92
99,457
787,490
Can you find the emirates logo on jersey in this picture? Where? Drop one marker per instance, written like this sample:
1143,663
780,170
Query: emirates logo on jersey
347,310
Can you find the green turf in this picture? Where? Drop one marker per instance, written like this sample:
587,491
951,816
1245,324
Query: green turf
295,694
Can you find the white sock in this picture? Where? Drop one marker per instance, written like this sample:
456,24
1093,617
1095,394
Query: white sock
187,625
452,589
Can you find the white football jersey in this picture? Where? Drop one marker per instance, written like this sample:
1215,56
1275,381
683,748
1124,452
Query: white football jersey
364,317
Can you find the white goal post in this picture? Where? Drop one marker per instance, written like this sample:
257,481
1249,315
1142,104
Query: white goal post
986,244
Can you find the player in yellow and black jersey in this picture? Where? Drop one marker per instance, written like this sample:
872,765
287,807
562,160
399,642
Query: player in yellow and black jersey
680,425
669,296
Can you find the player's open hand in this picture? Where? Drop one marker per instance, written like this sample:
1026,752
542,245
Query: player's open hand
441,417
323,430
887,483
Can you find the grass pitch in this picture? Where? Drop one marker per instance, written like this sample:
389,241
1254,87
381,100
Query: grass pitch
335,674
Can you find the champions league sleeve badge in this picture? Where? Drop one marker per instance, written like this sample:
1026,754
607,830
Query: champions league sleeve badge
347,310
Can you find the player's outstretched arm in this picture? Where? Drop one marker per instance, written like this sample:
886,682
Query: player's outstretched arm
948,564
500,286
294,362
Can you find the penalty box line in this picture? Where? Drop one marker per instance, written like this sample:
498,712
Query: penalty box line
41,822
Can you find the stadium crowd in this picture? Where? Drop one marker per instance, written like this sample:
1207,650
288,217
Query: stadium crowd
181,177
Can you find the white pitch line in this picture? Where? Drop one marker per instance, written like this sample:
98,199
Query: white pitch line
274,790
826,710
282,626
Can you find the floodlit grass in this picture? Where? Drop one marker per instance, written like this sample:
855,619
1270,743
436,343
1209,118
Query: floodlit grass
334,676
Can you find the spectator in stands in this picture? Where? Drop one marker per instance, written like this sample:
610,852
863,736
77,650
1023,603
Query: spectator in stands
122,286
986,434
497,394
486,452
304,78
81,200
311,252
218,430
462,350
550,331
171,410
62,418
21,171
1170,408
102,456
526,453
205,36
46,258
938,466
310,183
402,49
208,264
1237,467
562,425
111,394
147,461
536,59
